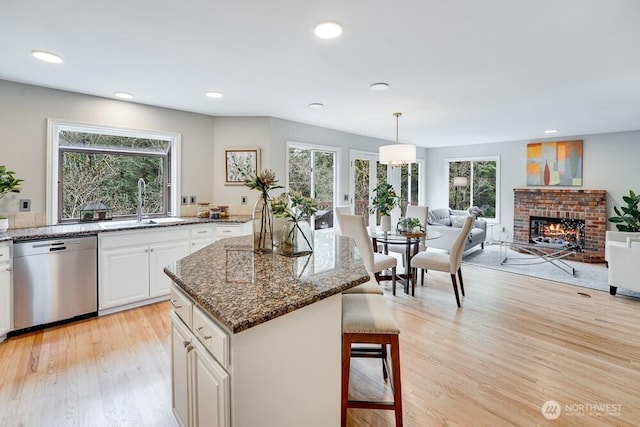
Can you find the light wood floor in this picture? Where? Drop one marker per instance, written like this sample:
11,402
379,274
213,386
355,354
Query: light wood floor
516,343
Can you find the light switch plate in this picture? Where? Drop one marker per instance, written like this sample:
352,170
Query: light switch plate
192,200
185,200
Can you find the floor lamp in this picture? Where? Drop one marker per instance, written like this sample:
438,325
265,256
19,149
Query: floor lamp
458,181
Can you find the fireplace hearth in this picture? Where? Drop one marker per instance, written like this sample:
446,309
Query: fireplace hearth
584,210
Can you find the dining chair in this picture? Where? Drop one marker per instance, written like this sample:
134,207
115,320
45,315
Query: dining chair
340,210
450,262
353,226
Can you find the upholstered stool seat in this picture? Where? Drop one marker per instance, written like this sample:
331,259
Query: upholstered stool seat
370,287
366,319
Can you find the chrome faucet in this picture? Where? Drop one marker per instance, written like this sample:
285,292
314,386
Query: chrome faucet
142,187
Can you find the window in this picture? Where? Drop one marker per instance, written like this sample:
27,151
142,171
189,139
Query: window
410,188
311,170
92,166
474,182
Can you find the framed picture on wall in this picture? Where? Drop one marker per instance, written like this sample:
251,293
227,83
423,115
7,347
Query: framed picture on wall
239,163
555,163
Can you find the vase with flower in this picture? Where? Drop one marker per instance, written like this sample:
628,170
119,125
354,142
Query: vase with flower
264,182
296,238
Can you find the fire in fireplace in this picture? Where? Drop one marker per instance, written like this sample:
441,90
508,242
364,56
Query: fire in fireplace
557,232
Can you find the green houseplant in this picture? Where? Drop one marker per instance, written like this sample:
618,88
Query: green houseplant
8,184
628,218
384,200
296,234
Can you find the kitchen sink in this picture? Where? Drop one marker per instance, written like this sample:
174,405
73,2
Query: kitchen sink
112,225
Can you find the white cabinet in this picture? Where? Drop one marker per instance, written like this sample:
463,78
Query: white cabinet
200,386
131,265
202,235
6,298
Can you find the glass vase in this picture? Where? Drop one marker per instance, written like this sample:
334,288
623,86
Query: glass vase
296,239
262,225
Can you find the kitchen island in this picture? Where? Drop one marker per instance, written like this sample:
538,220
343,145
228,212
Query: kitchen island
256,338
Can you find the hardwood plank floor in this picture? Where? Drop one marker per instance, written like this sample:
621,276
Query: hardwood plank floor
516,343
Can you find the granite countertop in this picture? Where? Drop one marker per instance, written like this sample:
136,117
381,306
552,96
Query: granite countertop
92,228
242,289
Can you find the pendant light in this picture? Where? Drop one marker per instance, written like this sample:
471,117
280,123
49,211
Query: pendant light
397,154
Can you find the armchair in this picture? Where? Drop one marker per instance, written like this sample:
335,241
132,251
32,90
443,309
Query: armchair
624,265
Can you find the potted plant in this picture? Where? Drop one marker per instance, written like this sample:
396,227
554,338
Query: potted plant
384,200
296,234
628,218
8,184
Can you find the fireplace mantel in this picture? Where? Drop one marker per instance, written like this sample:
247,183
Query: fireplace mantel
587,205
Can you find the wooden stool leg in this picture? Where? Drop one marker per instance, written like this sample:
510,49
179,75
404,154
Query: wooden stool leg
346,366
397,390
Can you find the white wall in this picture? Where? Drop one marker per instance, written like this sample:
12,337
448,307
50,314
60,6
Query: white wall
24,110
285,130
610,162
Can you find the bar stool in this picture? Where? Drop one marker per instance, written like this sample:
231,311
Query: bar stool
366,319
370,287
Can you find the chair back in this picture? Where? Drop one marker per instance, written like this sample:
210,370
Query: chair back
353,226
340,210
457,248
420,212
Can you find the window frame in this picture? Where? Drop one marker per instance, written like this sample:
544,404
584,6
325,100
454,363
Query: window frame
496,159
55,126
336,171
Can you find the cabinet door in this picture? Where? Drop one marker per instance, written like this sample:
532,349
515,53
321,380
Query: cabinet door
5,299
124,276
180,372
198,244
161,255
211,397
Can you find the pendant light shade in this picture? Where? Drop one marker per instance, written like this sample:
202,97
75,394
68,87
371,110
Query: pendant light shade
397,154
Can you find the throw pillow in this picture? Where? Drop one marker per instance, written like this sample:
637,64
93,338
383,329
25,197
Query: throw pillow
439,216
457,220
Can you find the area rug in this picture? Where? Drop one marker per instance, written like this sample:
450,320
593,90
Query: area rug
593,276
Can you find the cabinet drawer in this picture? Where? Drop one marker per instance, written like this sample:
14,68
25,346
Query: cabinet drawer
214,338
181,305
223,231
202,231
4,254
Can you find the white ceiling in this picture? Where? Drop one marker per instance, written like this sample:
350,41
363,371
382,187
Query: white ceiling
461,71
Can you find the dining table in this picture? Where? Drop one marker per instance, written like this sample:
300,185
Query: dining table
411,241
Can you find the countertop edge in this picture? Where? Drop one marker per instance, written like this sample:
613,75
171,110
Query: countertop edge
40,233
249,323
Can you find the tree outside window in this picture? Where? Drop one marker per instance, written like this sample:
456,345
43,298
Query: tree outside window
474,183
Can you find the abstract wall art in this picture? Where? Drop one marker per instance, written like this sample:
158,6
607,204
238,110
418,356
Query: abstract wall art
557,163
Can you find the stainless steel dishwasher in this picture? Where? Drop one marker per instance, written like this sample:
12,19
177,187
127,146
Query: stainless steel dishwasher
54,280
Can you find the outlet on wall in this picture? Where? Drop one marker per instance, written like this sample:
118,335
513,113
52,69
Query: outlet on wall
185,200
25,205
243,200
192,200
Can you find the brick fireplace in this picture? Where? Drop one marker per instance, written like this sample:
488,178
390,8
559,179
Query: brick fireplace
587,205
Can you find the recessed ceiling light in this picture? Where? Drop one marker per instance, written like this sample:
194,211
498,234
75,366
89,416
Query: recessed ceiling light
214,95
316,105
551,131
379,86
46,56
328,30
123,95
